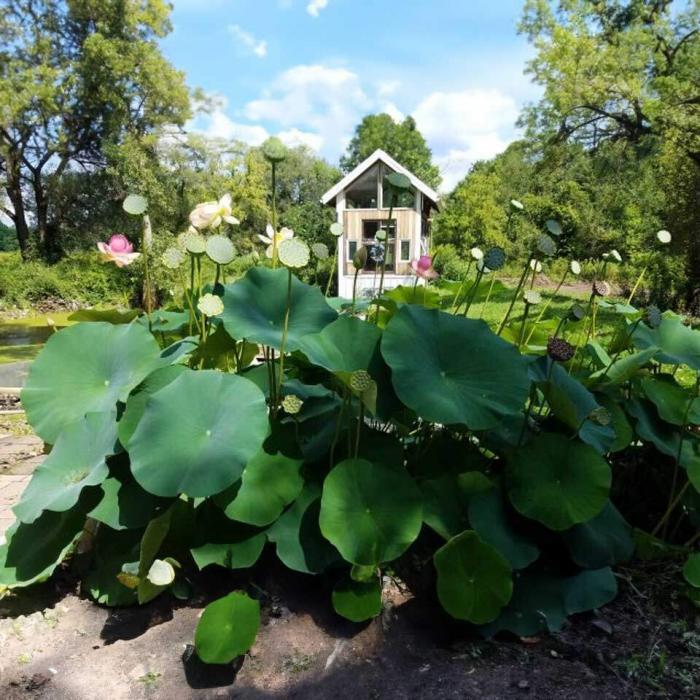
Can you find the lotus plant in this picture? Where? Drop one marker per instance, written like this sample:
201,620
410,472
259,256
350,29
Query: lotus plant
118,250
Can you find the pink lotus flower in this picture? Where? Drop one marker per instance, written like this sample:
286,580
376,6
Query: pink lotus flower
119,250
423,267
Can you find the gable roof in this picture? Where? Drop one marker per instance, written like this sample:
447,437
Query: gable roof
379,155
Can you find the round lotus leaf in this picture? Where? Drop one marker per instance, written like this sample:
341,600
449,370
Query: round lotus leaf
575,267
346,345
220,249
532,297
86,368
294,253
399,181
492,522
77,460
358,601
674,403
602,541
255,307
453,370
663,237
210,305
336,229
691,570
274,150
370,512
135,204
553,226
227,628
517,205
495,258
197,434
173,258
558,481
125,505
546,245
474,581
320,250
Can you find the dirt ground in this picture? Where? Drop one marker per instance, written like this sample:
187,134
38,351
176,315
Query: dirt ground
57,645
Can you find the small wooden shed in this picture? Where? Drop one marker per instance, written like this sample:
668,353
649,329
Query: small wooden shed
362,206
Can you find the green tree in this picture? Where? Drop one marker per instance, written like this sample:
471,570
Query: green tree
78,78
402,141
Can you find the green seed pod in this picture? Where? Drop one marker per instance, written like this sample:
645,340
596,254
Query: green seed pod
359,260
360,381
292,404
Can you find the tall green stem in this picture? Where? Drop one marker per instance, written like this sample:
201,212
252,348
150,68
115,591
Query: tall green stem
548,303
473,291
285,331
515,296
636,285
488,297
335,264
274,214
354,290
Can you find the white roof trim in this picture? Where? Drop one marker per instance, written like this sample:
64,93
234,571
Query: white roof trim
366,164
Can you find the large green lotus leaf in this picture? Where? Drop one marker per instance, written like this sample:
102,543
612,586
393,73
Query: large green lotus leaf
426,297
297,536
602,541
625,368
125,505
32,552
446,500
358,600
166,321
255,308
197,434
346,345
114,316
227,628
136,403
491,521
220,540
673,403
541,601
558,481
473,579
77,460
453,370
691,570
86,368
571,403
371,513
153,537
270,481
679,344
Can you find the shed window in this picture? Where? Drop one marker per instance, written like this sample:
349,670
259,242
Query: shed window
405,251
352,249
362,194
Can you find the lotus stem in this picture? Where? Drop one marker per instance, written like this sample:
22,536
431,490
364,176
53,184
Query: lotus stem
548,303
337,428
217,275
354,291
335,262
457,303
360,421
285,331
473,291
523,325
274,214
515,296
636,284
628,335
488,297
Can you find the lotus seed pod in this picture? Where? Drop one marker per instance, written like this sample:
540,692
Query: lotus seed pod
559,349
532,297
360,381
172,258
380,235
495,258
320,250
653,316
210,305
601,288
359,260
664,237
601,416
274,150
294,253
546,245
193,242
336,229
292,404
476,253
575,267
220,249
577,313
481,267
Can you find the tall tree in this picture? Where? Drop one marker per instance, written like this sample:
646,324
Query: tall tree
616,70
402,141
77,78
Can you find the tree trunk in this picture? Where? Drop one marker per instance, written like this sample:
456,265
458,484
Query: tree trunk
19,218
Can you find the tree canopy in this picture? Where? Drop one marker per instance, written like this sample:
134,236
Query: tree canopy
402,141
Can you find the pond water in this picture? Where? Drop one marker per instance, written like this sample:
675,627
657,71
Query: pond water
22,338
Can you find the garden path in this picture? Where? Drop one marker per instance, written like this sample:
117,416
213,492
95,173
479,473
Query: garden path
19,456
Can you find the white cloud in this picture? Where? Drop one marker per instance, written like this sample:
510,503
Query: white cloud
394,112
248,41
315,6
387,88
466,126
296,137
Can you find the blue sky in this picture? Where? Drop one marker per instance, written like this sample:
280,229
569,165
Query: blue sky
309,70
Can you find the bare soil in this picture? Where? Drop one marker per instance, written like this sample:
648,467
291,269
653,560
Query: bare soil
57,645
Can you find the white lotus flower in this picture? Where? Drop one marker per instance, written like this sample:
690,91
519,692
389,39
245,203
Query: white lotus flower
575,267
212,214
210,305
284,235
664,237
477,253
